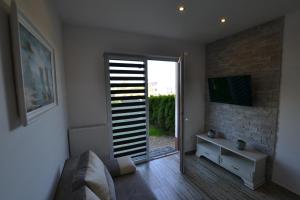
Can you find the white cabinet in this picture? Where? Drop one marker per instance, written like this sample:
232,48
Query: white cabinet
209,151
247,164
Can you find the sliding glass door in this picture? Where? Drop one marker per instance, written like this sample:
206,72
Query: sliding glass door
128,105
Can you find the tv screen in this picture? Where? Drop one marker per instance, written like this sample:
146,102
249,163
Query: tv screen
231,90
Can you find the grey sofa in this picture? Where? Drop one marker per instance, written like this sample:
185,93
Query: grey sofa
127,187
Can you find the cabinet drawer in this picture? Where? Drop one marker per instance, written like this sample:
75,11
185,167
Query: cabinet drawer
237,166
210,156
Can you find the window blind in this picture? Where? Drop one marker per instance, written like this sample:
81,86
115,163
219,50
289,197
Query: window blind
128,93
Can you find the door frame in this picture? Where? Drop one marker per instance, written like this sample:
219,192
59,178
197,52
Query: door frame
180,90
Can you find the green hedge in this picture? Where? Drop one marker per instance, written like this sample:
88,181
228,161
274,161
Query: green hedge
162,112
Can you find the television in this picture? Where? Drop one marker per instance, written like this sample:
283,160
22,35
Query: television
231,90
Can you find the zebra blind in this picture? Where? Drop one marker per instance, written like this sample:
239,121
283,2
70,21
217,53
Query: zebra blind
128,95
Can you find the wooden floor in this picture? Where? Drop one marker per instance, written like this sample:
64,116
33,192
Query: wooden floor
166,181
204,181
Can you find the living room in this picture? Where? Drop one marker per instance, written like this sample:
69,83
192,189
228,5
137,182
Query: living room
210,41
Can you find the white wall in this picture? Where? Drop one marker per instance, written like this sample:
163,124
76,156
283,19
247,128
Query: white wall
84,48
287,163
31,157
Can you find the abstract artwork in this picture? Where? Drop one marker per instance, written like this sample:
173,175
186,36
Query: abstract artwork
34,67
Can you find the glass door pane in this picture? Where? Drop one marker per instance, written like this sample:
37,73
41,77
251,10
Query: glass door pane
128,107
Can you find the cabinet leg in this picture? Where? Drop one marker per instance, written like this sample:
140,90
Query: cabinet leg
249,184
253,185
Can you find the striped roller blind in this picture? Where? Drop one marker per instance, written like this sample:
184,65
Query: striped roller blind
128,93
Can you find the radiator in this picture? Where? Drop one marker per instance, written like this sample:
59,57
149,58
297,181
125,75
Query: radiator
94,137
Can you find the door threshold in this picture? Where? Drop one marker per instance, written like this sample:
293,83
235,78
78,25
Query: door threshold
164,155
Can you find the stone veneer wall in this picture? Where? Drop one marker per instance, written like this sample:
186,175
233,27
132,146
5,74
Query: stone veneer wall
256,52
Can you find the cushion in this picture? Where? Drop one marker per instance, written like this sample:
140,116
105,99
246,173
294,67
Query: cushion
111,185
91,173
84,193
120,166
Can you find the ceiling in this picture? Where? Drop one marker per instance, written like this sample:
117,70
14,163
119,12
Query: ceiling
200,22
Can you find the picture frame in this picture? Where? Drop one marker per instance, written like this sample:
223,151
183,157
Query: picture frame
34,66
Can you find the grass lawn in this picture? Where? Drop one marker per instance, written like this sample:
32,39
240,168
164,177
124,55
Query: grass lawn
153,131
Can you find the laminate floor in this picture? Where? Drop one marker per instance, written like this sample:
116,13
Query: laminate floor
166,181
203,180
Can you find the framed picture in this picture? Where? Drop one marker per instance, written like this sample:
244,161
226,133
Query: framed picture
34,68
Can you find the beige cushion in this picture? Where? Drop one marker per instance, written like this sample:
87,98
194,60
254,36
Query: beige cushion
120,166
111,185
84,193
126,165
91,172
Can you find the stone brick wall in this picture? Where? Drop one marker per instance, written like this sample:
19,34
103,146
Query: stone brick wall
256,52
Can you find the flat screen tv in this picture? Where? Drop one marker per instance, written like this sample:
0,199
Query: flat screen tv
231,90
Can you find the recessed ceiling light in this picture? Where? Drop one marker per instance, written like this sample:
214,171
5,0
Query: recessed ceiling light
223,20
181,8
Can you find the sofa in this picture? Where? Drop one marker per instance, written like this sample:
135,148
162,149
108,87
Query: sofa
127,183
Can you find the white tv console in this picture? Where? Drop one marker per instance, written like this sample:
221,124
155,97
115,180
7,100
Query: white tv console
248,164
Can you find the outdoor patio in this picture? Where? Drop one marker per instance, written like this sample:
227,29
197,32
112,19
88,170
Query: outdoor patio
161,145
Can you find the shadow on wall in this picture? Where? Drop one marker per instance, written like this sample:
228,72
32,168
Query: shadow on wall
8,70
52,191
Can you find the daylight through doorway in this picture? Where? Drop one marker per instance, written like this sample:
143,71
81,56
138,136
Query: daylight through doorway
163,138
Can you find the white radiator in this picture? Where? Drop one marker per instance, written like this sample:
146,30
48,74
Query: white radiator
93,138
